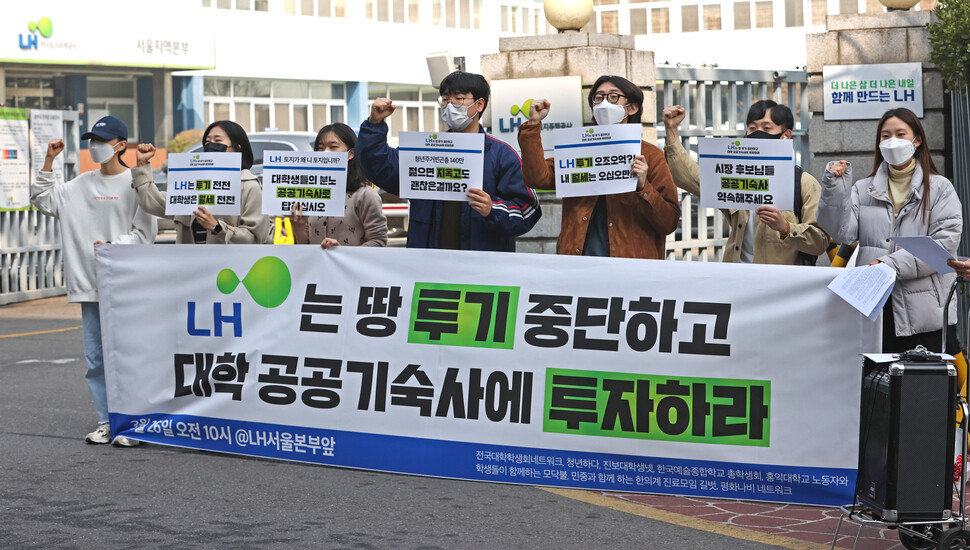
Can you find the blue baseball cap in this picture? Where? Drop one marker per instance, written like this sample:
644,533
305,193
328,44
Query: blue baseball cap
107,129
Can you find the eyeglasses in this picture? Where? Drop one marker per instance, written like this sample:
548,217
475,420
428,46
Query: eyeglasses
612,97
444,101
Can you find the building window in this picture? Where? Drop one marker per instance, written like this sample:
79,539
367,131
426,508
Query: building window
660,20
609,22
688,18
242,5
436,17
224,4
794,14
820,9
450,13
742,15
466,19
712,17
478,14
763,15
605,2
848,6
638,21
874,6
413,14
306,7
505,18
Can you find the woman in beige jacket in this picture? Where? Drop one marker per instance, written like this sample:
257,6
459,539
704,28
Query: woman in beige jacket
363,222
249,227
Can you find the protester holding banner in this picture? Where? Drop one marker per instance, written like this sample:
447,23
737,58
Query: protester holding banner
494,215
250,227
363,222
770,236
903,196
633,224
94,208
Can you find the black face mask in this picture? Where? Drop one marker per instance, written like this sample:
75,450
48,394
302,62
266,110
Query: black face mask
758,134
213,147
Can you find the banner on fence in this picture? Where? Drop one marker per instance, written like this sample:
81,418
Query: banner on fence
46,126
721,380
857,92
14,159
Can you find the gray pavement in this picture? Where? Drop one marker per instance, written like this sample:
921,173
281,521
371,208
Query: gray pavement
58,492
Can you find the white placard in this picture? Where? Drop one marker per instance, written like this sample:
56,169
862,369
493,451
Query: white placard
204,179
317,181
596,160
743,174
45,125
607,374
512,99
14,160
856,92
440,165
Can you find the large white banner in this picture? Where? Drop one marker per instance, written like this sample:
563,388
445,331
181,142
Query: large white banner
722,380
596,160
743,174
856,92
14,160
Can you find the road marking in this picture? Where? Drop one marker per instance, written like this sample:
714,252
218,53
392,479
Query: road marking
38,332
685,521
51,361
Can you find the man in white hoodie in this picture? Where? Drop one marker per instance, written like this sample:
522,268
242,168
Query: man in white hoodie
94,208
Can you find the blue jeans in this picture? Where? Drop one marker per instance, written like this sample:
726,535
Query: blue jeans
93,355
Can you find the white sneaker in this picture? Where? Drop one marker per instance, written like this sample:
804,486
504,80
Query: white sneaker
100,436
122,441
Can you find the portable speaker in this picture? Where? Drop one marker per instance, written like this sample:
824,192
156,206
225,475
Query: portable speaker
906,435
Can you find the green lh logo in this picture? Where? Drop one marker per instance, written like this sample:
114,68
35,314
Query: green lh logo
44,26
268,281
524,110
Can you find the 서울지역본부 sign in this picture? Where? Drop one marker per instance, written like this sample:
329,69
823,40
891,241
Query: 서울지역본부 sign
211,180
596,160
440,165
859,92
316,181
743,174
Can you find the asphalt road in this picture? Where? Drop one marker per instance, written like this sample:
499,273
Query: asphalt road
58,492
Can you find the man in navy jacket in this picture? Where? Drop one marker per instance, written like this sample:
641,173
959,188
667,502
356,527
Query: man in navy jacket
493,216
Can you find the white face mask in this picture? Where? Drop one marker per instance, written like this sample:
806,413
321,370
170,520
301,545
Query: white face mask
101,152
456,117
897,151
608,113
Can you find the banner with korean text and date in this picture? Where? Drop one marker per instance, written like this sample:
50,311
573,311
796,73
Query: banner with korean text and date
709,379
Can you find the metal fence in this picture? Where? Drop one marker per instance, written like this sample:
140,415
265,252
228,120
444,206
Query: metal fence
959,117
31,261
717,102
